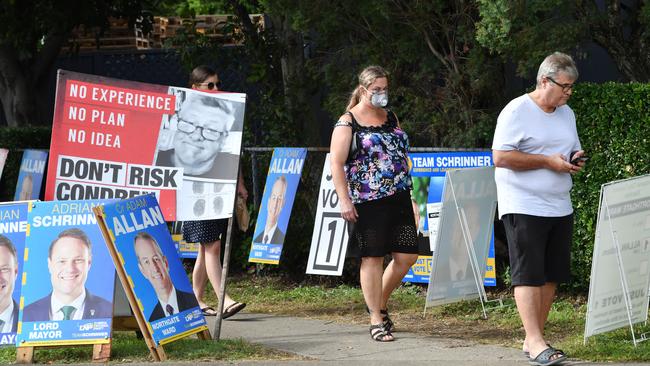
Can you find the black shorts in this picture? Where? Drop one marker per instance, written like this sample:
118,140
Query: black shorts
539,248
384,226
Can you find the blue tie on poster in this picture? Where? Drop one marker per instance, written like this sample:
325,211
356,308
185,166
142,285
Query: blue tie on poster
277,202
428,173
30,175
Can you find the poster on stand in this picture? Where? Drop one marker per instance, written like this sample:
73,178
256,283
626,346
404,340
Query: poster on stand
68,277
146,253
466,224
620,269
13,227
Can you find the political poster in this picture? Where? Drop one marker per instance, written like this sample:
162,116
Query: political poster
277,201
620,270
330,237
119,139
13,226
184,249
428,173
30,175
68,277
140,236
466,226
3,159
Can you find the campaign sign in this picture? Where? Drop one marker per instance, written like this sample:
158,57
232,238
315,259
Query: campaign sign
277,201
3,159
13,226
428,173
68,277
120,139
466,227
156,275
330,237
620,270
30,175
184,249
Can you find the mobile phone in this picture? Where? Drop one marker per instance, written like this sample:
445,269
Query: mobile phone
577,160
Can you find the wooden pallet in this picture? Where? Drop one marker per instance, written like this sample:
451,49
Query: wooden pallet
119,35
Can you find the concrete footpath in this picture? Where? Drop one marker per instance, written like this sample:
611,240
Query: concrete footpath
328,343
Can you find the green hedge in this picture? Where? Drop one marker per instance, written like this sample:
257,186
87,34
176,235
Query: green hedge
613,123
16,140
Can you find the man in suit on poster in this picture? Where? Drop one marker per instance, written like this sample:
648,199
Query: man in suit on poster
275,203
69,260
153,265
8,274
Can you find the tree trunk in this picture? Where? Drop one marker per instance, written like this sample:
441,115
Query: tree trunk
16,92
296,92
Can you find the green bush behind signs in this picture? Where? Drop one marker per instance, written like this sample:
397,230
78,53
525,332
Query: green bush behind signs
614,127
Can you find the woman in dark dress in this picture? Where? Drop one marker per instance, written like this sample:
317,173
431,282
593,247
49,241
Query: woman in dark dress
210,232
374,184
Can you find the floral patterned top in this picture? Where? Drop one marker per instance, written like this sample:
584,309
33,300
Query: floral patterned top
379,166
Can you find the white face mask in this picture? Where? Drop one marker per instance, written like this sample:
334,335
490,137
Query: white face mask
379,99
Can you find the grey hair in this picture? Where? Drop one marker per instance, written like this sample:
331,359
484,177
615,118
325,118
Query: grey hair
556,63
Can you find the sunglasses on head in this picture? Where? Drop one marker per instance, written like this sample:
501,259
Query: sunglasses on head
211,85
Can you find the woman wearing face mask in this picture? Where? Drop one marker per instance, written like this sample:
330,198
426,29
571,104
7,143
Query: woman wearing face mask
373,184
209,232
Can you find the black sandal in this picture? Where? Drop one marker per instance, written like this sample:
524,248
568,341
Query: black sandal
388,324
379,334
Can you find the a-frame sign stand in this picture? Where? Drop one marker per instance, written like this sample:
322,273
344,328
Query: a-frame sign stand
157,351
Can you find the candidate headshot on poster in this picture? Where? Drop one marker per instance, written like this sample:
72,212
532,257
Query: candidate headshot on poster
204,122
154,266
30,175
8,276
69,260
272,233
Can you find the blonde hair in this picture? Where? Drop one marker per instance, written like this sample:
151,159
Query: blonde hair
366,77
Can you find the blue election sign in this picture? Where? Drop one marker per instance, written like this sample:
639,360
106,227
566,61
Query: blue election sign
428,172
156,274
13,226
30,175
279,192
68,279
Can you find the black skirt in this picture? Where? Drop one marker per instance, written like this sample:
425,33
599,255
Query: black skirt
384,226
204,231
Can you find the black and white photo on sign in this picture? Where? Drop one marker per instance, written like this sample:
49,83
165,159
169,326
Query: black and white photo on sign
204,200
203,136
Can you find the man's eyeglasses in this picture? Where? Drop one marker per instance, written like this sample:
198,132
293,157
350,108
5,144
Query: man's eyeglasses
565,87
211,85
206,133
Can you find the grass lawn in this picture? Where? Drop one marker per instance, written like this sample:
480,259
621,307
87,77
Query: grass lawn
127,348
463,320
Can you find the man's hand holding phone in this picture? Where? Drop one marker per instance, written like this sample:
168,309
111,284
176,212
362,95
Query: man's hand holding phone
578,160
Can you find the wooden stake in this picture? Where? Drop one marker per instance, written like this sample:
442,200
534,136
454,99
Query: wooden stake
25,354
102,352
